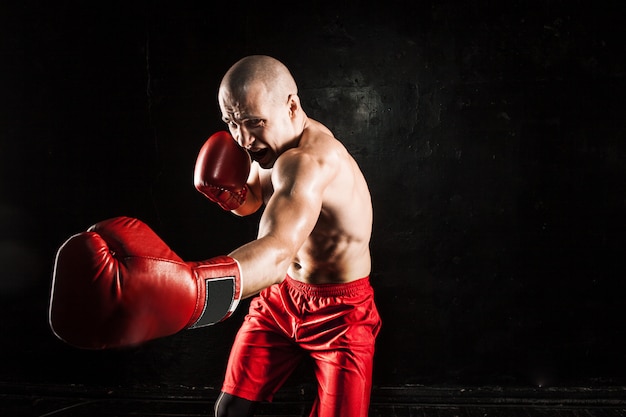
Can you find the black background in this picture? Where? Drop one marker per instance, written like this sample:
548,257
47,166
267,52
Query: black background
492,135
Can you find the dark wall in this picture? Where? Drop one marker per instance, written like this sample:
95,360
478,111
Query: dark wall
492,136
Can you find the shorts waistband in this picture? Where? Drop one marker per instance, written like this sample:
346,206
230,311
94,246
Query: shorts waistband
329,290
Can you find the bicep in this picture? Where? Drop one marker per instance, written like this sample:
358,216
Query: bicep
290,218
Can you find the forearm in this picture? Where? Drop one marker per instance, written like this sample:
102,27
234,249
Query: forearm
254,195
263,262
251,204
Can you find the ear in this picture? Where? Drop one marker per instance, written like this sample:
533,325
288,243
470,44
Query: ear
294,105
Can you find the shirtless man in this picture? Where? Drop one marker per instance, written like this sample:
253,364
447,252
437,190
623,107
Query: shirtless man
316,228
119,284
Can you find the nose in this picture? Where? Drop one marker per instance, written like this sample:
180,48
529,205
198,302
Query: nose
245,139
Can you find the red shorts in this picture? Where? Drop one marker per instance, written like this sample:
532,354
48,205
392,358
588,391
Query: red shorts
335,324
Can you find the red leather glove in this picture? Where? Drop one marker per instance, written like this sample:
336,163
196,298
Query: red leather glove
119,284
221,171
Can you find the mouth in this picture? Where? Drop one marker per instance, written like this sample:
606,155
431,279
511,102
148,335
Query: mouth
258,155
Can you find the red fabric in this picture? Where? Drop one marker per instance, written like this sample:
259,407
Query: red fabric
335,324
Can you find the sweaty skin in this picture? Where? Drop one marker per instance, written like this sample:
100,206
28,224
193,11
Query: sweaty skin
317,221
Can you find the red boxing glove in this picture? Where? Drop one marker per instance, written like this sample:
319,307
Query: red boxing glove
221,171
119,284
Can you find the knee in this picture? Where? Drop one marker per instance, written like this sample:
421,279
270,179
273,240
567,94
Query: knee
231,406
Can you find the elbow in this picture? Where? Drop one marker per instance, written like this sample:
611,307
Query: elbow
282,255
283,259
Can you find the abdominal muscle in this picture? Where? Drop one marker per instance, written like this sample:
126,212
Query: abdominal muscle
330,257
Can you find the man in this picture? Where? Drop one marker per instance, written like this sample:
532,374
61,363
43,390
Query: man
118,284
313,240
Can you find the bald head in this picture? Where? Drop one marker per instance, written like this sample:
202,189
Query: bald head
259,71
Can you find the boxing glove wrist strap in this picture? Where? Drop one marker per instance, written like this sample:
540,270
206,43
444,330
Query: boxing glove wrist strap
219,290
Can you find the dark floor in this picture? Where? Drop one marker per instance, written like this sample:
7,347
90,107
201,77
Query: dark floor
408,401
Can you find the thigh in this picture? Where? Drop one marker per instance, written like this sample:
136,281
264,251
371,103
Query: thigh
344,362
344,382
260,361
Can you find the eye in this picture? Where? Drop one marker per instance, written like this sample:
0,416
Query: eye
232,125
255,123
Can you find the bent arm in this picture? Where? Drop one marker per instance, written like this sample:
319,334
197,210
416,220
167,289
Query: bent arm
289,218
254,198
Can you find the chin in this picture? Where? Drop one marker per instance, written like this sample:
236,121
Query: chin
267,161
267,165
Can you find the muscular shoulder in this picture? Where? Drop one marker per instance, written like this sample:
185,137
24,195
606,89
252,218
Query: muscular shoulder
316,159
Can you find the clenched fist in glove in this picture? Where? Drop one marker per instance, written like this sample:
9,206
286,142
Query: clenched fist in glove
221,171
118,284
